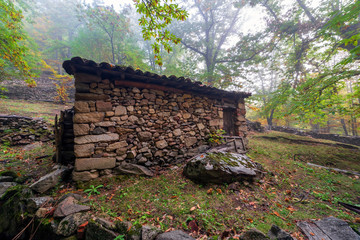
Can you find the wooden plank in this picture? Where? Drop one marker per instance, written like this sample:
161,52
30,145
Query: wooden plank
311,231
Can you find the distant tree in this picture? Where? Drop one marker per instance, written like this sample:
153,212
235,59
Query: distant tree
157,15
16,59
213,33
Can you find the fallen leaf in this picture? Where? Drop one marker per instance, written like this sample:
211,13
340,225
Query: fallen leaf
291,209
276,213
192,209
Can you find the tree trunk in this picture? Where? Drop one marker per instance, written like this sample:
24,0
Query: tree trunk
344,127
269,119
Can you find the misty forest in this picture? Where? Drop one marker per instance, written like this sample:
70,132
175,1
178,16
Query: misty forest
138,121
298,58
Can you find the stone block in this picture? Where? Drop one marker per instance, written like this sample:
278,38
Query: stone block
96,138
85,150
81,107
92,117
81,129
102,106
84,176
83,164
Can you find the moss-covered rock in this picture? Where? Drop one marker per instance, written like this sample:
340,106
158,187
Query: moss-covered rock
13,215
221,167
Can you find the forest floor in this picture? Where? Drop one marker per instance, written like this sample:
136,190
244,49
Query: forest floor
290,191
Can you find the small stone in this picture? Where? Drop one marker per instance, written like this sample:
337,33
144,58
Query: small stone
133,118
177,132
190,141
109,114
144,136
116,146
200,126
186,115
133,169
120,110
161,144
105,124
98,131
135,90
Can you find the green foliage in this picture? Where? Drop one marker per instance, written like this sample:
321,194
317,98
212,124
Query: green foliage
15,56
216,137
93,190
156,16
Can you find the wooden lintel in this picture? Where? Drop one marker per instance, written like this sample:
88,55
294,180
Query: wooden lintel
147,86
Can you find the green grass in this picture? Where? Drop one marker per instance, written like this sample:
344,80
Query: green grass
290,191
31,109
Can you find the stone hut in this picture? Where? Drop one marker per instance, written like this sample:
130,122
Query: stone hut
126,119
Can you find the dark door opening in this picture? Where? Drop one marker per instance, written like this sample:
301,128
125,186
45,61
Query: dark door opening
229,121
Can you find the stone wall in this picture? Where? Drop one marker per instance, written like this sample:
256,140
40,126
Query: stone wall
354,140
147,127
17,130
44,91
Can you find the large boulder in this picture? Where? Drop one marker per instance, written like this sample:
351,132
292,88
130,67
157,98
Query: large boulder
221,167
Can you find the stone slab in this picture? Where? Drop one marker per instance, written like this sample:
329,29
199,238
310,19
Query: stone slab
83,164
97,138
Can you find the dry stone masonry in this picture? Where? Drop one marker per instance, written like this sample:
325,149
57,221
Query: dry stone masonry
18,130
123,117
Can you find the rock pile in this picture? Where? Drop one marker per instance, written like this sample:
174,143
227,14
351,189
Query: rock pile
16,130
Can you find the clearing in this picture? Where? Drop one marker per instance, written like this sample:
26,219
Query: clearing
290,191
